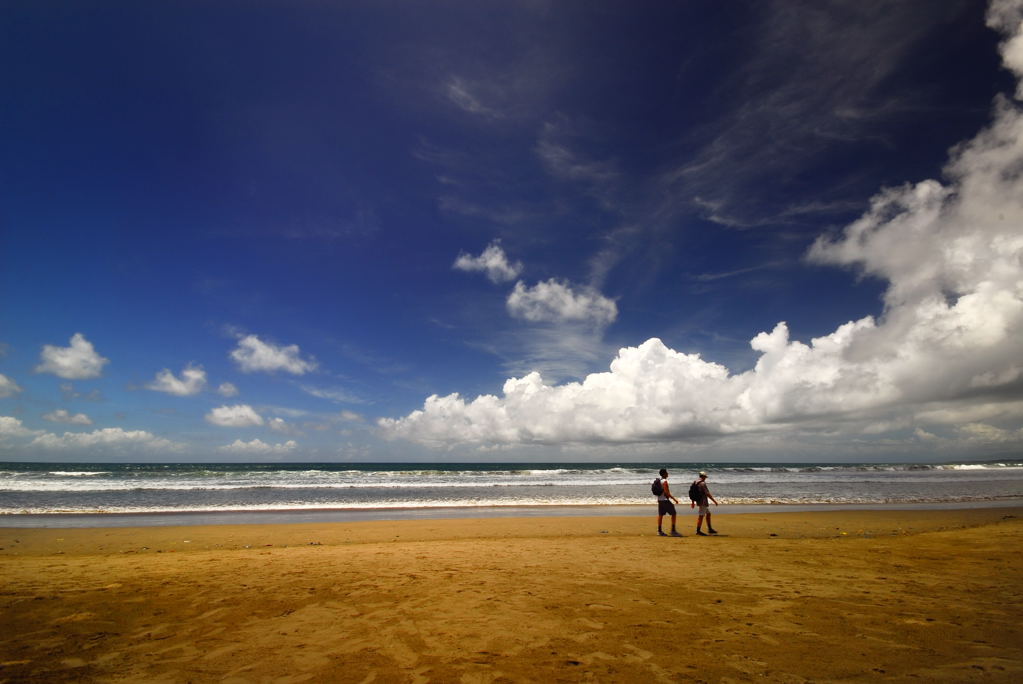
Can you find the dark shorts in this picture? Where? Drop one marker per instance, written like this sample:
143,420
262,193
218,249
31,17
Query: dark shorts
665,507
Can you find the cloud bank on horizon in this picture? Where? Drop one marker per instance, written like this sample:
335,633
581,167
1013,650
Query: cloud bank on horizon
951,255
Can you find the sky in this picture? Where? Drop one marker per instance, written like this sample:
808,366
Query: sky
518,231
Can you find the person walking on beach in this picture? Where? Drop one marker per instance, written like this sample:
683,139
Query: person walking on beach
664,504
702,495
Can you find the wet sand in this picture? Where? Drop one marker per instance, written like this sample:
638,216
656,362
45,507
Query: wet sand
934,595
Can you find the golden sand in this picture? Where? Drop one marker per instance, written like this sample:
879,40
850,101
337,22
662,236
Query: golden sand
864,596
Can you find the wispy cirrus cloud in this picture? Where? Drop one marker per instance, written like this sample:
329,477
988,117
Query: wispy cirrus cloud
69,393
951,255
783,112
554,149
468,98
335,394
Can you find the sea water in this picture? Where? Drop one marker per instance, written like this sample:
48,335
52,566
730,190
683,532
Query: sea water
28,489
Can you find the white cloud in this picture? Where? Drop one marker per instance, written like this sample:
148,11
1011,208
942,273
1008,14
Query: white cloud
289,412
351,416
12,427
960,414
241,415
227,389
952,256
1006,16
562,162
107,438
192,381
984,433
76,362
252,354
458,91
257,446
8,388
650,392
558,352
278,424
336,394
555,301
62,416
492,261
792,114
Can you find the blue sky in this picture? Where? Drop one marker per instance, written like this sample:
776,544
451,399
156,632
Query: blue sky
362,231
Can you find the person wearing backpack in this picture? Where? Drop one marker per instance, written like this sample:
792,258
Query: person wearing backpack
699,495
664,503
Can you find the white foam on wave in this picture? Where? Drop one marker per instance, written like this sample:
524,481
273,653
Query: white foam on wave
306,506
158,484
972,466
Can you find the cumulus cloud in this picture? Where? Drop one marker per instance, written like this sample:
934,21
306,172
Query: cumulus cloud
278,424
1005,17
107,438
253,354
555,301
79,361
240,415
492,261
257,446
62,416
951,254
13,427
8,388
227,389
192,381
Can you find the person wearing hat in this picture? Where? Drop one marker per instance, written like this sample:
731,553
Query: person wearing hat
703,494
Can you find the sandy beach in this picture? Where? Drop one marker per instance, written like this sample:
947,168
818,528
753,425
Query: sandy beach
932,595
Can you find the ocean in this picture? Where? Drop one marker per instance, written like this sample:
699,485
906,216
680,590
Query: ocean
32,493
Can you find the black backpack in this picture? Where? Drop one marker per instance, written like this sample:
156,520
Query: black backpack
656,487
695,493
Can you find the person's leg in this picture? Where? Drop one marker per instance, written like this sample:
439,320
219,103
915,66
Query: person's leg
660,517
699,523
673,516
710,528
